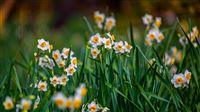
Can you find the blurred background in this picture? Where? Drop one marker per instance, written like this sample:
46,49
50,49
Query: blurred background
61,22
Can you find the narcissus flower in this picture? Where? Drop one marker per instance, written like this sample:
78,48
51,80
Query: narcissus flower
77,102
25,104
42,86
95,52
178,80
147,19
157,22
82,90
70,70
61,63
95,40
56,55
74,61
110,23
107,43
188,76
93,107
43,45
119,47
8,103
63,80
99,17
60,100
54,81
128,47
65,53
69,102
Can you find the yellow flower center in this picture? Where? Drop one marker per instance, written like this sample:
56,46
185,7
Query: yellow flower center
77,103
55,56
160,37
68,103
108,42
42,86
113,37
151,36
93,108
95,39
147,42
179,80
26,106
83,91
66,52
74,61
119,47
43,44
8,105
188,76
98,18
157,23
59,102
94,52
128,46
71,70
61,64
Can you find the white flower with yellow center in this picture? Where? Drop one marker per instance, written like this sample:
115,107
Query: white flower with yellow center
128,47
99,17
46,62
112,37
147,42
56,55
157,22
188,76
95,40
54,81
81,90
160,37
107,43
93,107
110,23
178,80
119,47
152,34
60,100
25,104
70,70
66,52
8,103
94,52
63,80
147,19
74,61
169,60
42,86
77,102
43,45
61,63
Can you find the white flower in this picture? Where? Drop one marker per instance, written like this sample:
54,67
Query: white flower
157,22
147,42
169,60
63,80
128,47
112,37
95,40
43,45
147,19
119,47
152,34
37,101
42,61
160,37
42,86
110,23
46,62
25,104
99,17
93,107
60,100
70,70
178,80
61,63
56,55
77,101
188,76
54,81
81,90
95,52
66,51
8,103
74,61
107,43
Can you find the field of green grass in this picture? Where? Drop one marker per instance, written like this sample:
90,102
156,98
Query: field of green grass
91,67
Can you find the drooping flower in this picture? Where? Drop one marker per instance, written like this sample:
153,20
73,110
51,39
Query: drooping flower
147,19
178,80
119,47
95,52
70,70
95,40
42,86
43,45
110,23
188,76
63,80
54,81
8,103
60,100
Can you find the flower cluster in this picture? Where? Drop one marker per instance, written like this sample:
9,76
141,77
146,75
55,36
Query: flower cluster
108,42
63,60
192,35
175,55
154,33
104,23
25,103
94,107
72,102
181,80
